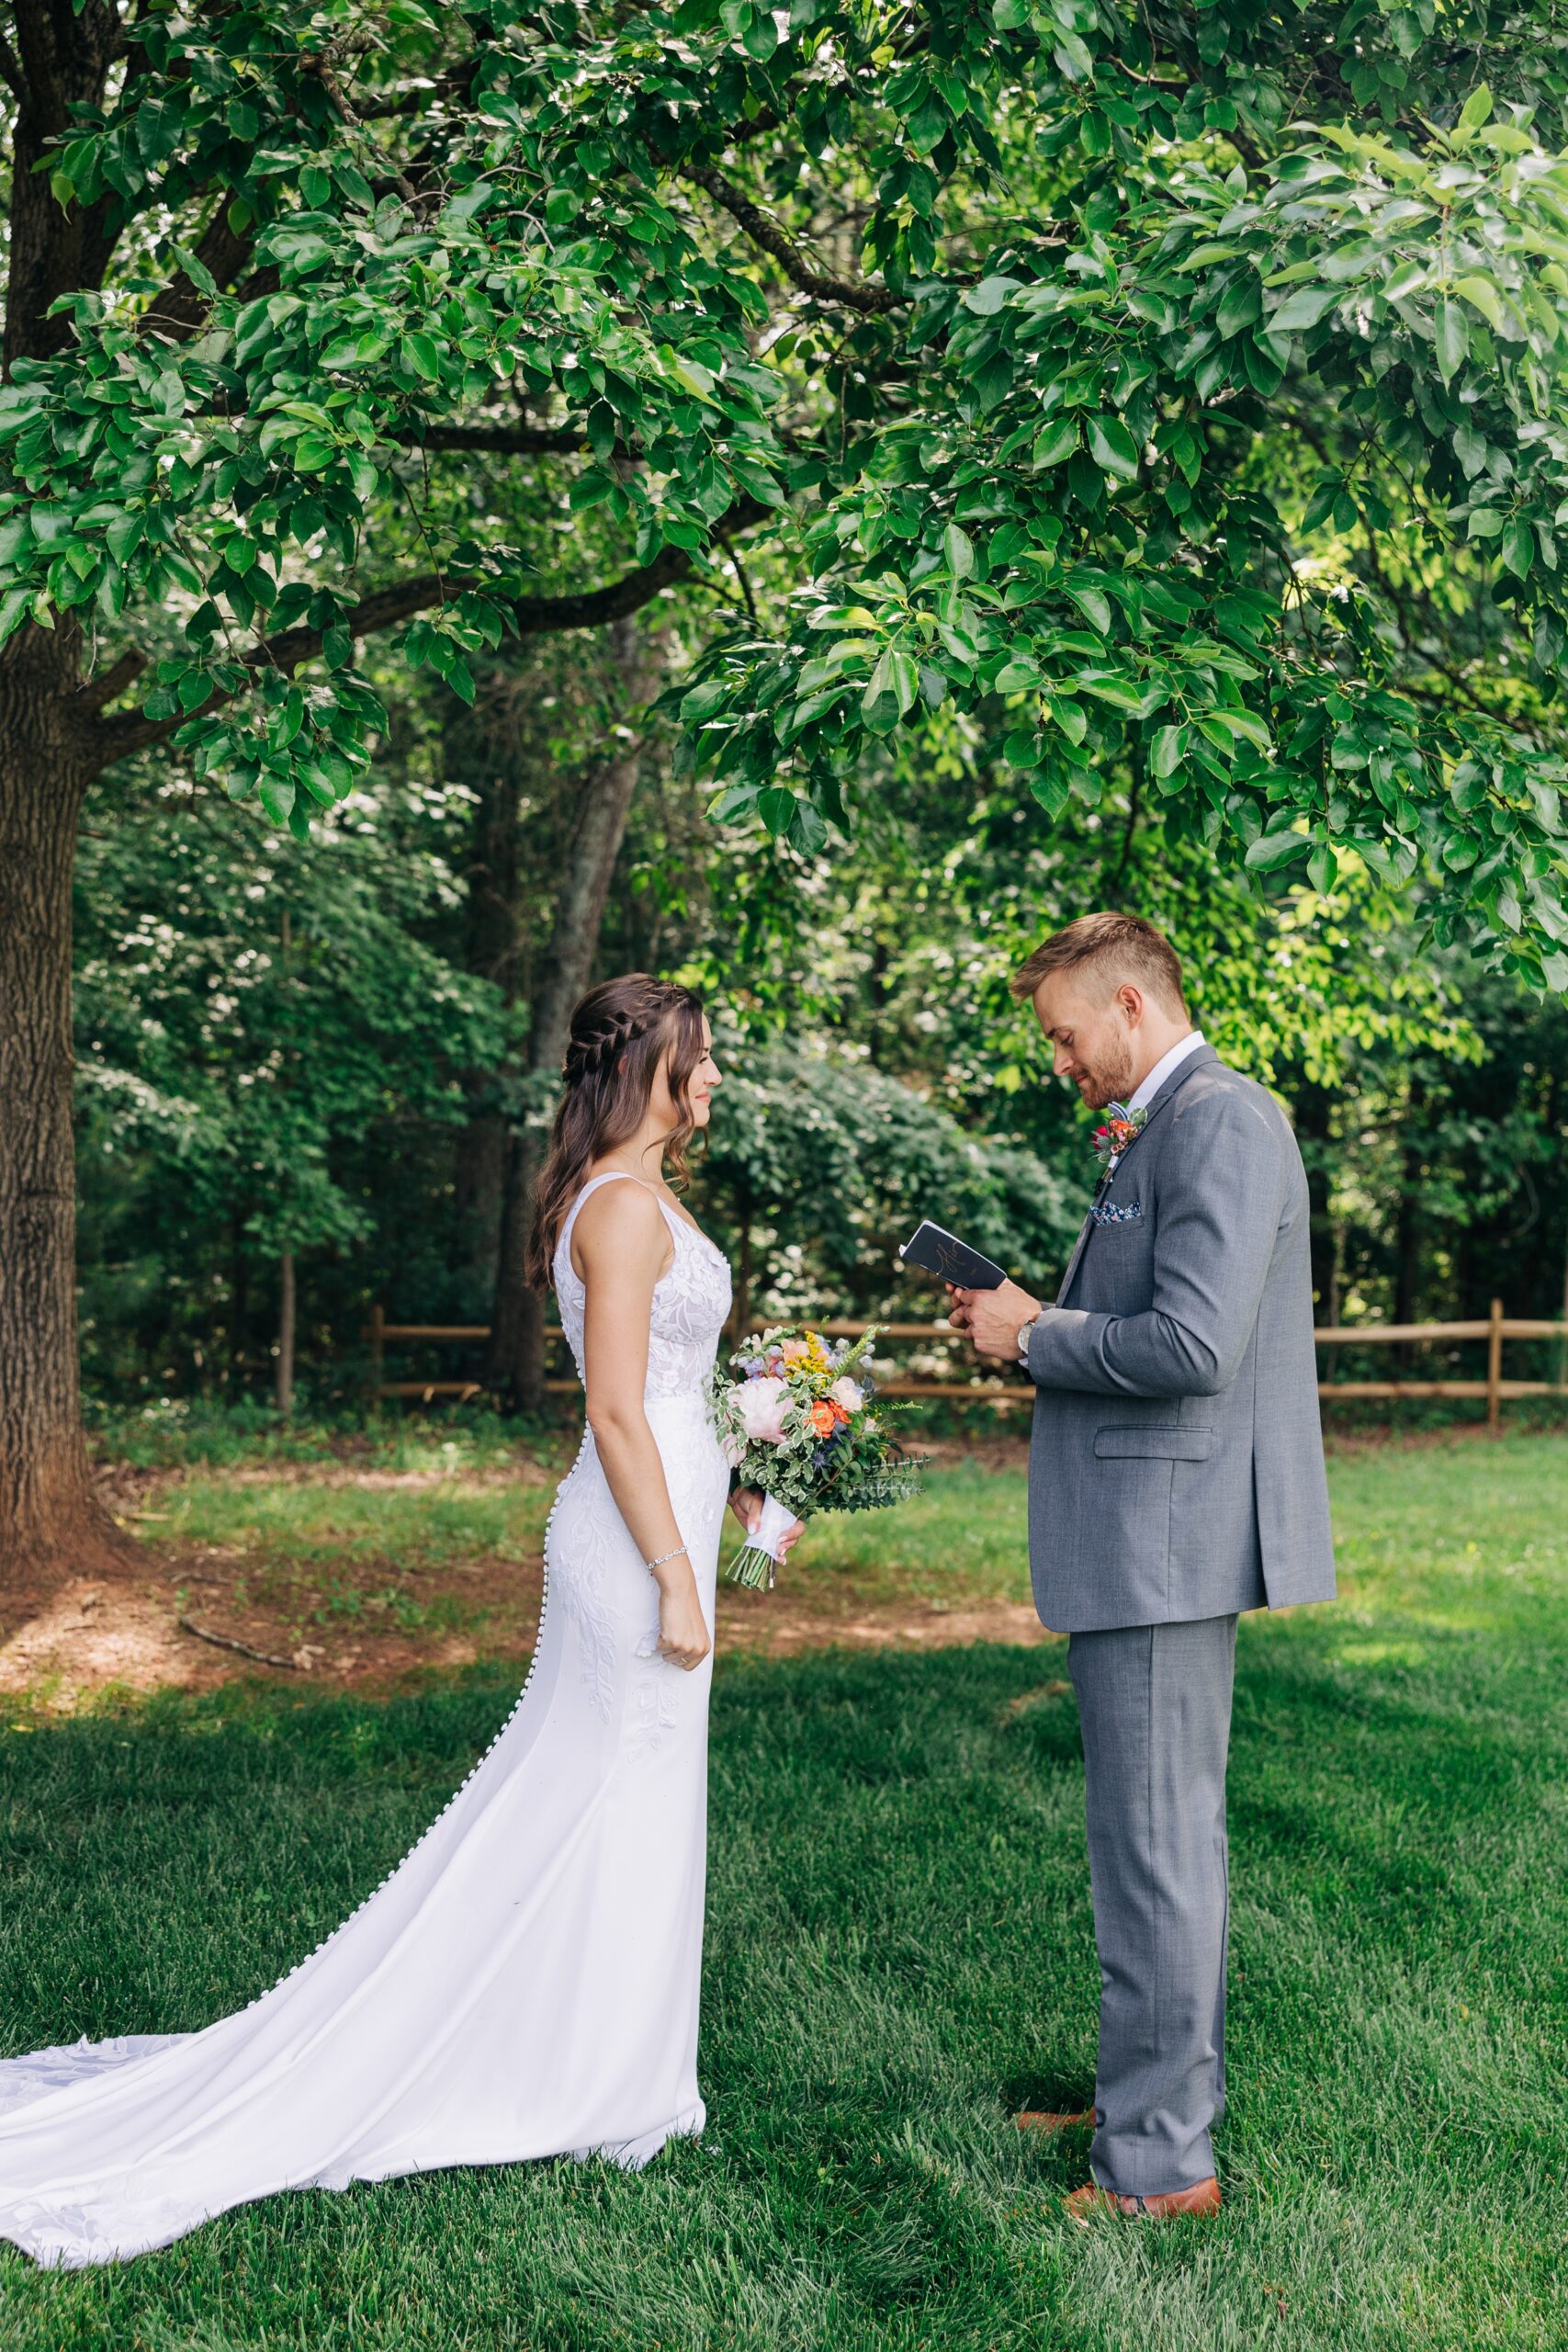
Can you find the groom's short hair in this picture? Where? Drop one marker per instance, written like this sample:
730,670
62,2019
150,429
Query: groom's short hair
1107,949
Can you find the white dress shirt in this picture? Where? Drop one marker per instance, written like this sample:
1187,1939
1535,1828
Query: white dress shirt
1150,1086
1145,1092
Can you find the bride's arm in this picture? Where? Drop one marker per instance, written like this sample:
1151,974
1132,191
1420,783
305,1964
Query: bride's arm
623,1245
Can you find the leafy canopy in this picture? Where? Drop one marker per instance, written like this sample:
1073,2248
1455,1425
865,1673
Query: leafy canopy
1013,318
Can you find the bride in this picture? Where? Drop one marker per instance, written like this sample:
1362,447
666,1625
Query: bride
525,1982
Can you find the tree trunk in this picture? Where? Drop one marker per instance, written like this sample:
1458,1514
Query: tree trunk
52,1524
285,1382
492,945
741,1312
517,1320
1407,1240
239,1305
1312,1106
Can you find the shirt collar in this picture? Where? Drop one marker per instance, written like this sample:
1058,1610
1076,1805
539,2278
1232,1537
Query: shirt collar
1163,1067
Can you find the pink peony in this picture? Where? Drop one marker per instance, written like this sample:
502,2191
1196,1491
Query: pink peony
762,1405
848,1394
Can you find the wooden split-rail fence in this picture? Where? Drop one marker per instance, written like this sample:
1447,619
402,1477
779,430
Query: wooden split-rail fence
1495,1330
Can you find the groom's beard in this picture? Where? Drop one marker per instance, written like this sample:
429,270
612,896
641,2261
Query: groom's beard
1110,1077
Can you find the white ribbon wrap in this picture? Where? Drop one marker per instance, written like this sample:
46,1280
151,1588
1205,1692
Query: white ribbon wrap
773,1524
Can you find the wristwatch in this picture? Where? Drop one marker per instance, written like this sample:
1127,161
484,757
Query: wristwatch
1024,1331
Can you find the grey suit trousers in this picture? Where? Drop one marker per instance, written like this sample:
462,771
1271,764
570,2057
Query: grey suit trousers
1155,1705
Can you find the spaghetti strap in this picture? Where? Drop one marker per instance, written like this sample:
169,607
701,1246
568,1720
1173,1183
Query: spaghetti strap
610,1176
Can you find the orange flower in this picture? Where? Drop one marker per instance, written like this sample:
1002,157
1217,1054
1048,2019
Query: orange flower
822,1419
837,1409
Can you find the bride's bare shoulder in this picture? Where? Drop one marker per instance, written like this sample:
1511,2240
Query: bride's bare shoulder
620,1223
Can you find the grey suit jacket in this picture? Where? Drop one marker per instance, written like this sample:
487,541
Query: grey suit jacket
1176,1468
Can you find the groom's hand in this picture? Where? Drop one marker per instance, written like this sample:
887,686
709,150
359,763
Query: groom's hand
992,1317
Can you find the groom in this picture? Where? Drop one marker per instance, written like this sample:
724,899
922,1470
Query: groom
1175,1479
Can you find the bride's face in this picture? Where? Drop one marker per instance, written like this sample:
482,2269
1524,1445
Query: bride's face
699,1088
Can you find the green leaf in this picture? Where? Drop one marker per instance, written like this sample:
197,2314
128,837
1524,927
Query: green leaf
418,351
806,830
704,701
903,676
990,296
1518,549
1239,305
1243,723
1270,850
276,797
1166,750
1112,447
1483,296
1477,108
777,806
1055,441
1095,607
124,535
1322,867
959,549
1453,340
1302,309
15,607
1122,693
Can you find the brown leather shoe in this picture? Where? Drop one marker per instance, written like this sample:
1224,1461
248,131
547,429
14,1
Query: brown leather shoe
1083,2205
1047,2119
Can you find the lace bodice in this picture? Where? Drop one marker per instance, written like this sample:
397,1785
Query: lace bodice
690,1302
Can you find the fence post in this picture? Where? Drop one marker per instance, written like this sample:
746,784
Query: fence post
377,1348
1494,1367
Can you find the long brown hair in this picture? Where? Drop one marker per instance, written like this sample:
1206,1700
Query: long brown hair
619,1031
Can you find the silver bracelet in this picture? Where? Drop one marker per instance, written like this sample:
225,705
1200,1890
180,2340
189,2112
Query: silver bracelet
652,1565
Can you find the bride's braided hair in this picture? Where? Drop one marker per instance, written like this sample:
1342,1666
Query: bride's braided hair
619,1033
590,1051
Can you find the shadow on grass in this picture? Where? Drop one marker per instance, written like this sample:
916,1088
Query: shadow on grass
900,1952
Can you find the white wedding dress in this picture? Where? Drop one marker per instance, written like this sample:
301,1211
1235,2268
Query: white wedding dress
524,1983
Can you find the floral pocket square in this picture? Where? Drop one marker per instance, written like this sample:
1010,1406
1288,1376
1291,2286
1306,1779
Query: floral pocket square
1116,1212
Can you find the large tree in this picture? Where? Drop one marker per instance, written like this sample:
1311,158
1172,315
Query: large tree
993,307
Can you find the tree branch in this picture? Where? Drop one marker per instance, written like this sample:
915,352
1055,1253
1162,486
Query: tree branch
115,738
95,692
874,300
181,311
511,440
11,72
338,100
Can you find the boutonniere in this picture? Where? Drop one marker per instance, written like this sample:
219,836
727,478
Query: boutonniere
1121,1127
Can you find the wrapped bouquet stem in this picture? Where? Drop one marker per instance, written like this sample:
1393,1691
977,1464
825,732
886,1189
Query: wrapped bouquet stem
756,1562
795,1416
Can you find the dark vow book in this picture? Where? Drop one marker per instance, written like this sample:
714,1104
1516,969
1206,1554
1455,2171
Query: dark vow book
938,1252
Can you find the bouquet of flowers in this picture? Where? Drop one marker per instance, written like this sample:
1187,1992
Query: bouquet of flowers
799,1423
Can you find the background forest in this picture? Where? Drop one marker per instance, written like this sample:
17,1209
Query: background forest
321,1053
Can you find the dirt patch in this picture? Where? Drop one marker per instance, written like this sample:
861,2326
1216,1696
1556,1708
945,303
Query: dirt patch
193,1635
194,1618
756,1622
326,1475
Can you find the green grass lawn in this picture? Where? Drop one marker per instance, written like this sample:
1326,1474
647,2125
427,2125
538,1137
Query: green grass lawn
899,1950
